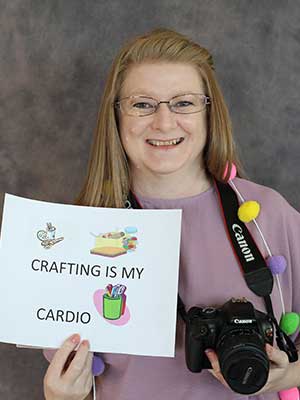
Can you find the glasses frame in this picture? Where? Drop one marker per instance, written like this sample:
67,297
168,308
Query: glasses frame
117,103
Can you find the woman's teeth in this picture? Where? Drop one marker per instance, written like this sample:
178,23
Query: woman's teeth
165,143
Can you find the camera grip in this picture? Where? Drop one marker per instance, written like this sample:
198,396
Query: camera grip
194,350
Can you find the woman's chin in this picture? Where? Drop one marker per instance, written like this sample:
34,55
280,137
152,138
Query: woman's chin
152,166
164,169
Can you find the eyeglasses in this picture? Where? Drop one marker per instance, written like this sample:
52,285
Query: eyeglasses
141,106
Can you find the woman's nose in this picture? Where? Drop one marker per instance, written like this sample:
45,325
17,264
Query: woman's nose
163,119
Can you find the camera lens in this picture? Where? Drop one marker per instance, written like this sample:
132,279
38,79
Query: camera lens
243,361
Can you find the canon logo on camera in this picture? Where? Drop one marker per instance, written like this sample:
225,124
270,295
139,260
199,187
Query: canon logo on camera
242,321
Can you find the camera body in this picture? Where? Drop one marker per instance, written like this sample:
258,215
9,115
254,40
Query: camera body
238,334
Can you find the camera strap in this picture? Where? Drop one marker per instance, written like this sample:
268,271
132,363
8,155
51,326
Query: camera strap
257,275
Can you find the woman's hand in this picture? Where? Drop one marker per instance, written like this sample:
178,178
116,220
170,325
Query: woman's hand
282,375
69,378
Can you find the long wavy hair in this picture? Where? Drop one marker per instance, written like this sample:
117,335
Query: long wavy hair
108,177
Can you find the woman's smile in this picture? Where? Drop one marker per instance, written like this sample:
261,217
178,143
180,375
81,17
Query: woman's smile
165,144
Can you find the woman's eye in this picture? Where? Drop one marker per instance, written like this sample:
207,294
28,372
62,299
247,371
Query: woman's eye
142,105
183,104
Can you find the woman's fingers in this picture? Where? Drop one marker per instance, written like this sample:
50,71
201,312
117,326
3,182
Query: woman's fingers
61,356
211,355
88,376
88,364
216,371
277,356
85,379
68,362
87,369
79,363
69,375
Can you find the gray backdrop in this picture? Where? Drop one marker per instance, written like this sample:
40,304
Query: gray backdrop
55,56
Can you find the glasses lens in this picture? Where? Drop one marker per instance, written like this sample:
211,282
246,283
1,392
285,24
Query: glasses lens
138,105
188,103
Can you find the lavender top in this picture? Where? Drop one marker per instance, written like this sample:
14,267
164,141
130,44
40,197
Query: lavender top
208,275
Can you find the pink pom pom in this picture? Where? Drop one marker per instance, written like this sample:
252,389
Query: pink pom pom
232,172
289,394
277,264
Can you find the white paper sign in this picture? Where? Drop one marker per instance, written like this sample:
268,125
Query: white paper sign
109,274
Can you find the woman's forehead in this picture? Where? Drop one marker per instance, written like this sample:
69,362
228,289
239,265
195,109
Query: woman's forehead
155,79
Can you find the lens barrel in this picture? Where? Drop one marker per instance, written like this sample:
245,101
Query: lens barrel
243,361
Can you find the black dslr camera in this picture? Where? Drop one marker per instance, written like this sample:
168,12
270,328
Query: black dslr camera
238,334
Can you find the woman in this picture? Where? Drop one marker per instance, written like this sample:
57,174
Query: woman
164,133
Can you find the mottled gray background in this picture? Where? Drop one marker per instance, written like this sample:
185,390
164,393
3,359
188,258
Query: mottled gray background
55,56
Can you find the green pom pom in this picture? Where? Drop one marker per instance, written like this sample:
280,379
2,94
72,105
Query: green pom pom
289,322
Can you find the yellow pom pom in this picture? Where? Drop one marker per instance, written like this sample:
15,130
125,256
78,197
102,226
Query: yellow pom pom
248,211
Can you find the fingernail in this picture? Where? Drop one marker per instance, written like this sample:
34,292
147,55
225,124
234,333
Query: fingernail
75,338
207,351
269,349
85,343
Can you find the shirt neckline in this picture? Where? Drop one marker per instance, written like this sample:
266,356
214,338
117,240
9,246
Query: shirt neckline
147,199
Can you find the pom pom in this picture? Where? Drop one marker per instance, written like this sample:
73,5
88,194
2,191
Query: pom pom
98,365
277,264
289,322
232,171
289,394
248,211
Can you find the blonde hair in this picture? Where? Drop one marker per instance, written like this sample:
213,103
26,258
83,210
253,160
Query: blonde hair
108,178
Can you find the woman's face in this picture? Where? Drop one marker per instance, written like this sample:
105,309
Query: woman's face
163,81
